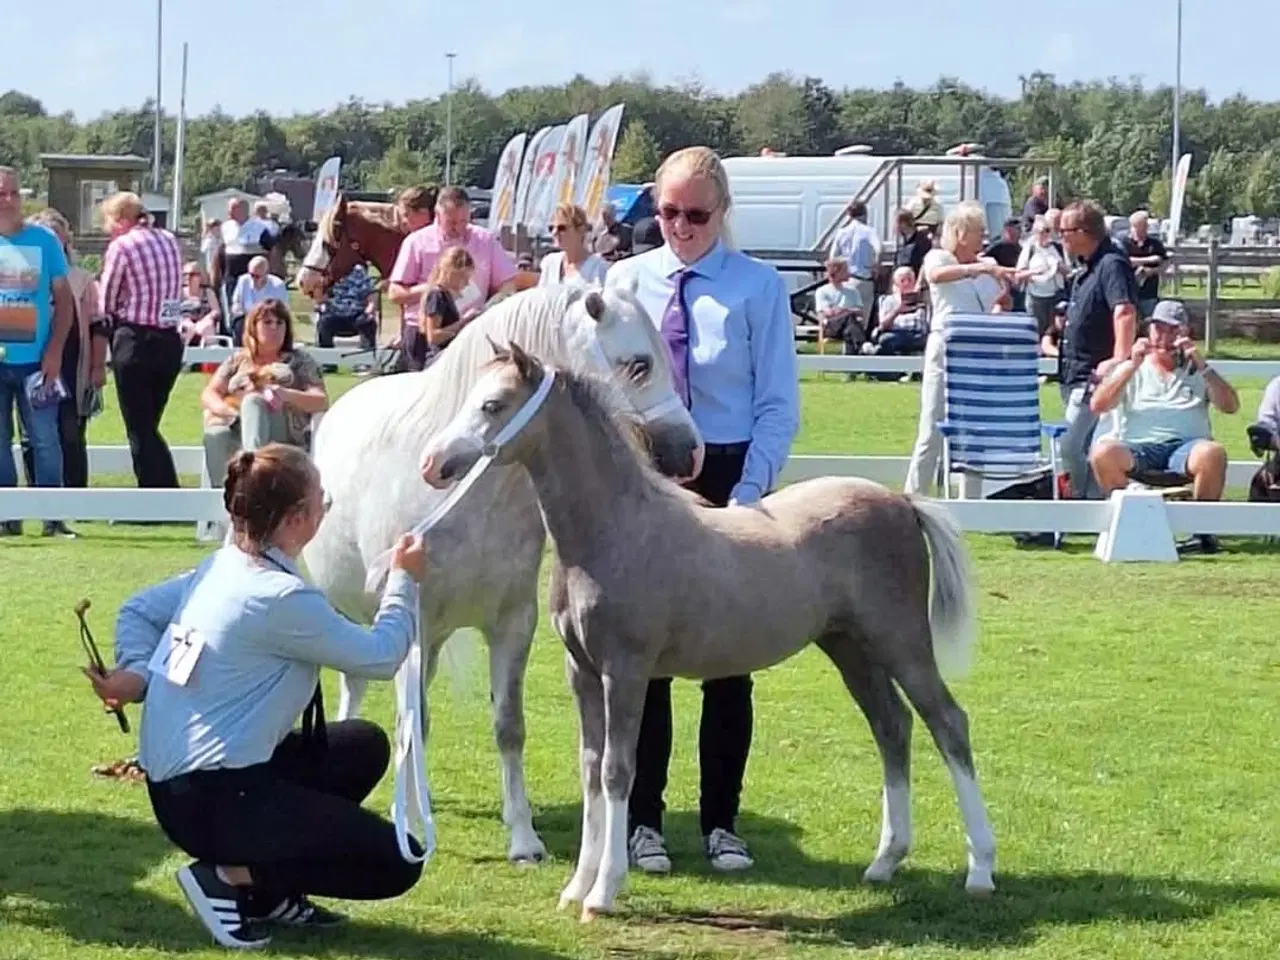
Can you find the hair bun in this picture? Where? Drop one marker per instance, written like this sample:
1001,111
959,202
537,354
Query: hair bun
238,468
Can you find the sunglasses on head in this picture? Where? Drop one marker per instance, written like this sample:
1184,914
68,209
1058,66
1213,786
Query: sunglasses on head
697,217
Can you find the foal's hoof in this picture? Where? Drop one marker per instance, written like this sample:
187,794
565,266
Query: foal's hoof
980,886
528,853
881,870
590,914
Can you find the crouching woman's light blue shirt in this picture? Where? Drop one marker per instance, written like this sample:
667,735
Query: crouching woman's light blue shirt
266,633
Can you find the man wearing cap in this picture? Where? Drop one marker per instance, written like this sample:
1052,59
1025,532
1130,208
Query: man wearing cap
1161,396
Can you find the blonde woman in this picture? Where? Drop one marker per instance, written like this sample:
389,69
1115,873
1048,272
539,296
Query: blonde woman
726,318
572,264
84,371
959,282
438,313
1047,269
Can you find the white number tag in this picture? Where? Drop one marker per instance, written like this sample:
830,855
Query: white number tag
176,654
170,313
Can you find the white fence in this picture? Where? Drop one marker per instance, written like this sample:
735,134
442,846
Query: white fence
808,362
1145,538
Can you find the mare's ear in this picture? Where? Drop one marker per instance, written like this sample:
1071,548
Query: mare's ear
499,353
594,303
526,366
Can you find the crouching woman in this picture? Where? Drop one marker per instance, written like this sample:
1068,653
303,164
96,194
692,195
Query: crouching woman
224,659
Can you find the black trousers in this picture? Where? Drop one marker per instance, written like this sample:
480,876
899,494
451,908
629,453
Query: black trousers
146,362
417,351
724,732
330,326
75,447
295,822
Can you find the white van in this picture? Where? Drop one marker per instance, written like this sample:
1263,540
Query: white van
788,203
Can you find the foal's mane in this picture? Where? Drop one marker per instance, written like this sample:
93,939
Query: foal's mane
598,403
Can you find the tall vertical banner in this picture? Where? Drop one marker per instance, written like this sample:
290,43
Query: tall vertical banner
573,152
526,173
593,182
542,187
1178,198
326,187
502,207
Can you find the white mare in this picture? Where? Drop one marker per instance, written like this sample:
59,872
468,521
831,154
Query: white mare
484,556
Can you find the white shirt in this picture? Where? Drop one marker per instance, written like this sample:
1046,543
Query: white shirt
246,296
1044,263
858,245
830,297
241,238
969,295
591,272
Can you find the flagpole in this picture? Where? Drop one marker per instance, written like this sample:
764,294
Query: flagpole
1177,95
155,147
179,148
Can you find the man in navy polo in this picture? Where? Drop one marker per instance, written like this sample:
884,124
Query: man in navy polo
1102,320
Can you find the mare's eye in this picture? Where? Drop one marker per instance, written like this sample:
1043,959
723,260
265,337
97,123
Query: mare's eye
491,407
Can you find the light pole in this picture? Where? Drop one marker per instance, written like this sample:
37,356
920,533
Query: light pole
448,125
155,147
1177,95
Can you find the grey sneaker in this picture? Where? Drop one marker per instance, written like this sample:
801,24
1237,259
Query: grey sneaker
649,851
726,851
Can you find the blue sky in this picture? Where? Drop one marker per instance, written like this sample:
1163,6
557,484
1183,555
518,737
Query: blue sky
108,57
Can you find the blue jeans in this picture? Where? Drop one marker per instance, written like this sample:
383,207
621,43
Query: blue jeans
41,426
1169,455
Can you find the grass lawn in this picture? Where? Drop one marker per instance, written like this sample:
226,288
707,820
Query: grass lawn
1124,721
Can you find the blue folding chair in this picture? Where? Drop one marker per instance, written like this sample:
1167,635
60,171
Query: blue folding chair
991,428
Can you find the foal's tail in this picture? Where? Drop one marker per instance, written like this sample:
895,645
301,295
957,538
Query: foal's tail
951,612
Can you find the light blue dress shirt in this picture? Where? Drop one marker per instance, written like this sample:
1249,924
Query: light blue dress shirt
743,376
858,245
266,634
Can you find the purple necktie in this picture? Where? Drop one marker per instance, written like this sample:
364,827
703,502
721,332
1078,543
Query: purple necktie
675,331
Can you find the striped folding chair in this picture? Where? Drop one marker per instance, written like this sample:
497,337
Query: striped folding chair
991,428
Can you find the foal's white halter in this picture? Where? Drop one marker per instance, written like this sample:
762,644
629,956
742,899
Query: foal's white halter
412,795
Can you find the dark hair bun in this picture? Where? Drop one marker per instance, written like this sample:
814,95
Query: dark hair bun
262,487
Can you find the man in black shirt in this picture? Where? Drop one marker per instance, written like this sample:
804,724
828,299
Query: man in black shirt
913,243
1101,324
1147,256
1006,252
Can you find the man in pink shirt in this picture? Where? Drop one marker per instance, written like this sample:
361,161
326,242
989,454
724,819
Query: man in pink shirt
495,271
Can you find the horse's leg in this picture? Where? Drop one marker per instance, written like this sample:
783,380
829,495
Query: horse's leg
624,690
920,681
589,693
890,722
510,640
351,691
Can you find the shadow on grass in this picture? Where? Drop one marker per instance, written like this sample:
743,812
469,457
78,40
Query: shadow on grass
920,906
77,875
931,907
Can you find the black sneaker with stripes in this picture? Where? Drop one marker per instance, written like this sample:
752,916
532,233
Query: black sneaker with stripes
217,904
301,912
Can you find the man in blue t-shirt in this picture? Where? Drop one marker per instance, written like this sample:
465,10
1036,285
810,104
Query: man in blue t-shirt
35,318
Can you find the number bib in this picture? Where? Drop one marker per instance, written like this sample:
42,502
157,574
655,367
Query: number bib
170,313
176,654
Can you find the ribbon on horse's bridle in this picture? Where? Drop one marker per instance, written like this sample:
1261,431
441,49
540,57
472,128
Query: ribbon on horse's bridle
412,794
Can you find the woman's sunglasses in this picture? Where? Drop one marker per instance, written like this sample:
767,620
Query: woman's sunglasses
699,218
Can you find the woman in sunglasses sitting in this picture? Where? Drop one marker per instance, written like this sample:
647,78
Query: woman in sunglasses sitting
727,319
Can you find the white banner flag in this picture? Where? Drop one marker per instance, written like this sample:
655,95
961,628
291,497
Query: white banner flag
326,187
594,180
526,173
502,204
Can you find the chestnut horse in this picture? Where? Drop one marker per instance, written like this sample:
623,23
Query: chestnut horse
359,231
350,233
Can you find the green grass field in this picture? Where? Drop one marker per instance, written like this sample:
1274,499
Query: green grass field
1124,721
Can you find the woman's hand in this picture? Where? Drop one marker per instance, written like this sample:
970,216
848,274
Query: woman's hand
410,555
116,687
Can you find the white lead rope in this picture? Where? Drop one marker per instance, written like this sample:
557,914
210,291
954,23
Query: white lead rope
411,798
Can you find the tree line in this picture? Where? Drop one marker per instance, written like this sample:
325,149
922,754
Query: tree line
1112,139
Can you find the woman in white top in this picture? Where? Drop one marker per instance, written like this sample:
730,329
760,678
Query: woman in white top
572,264
1043,259
959,282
